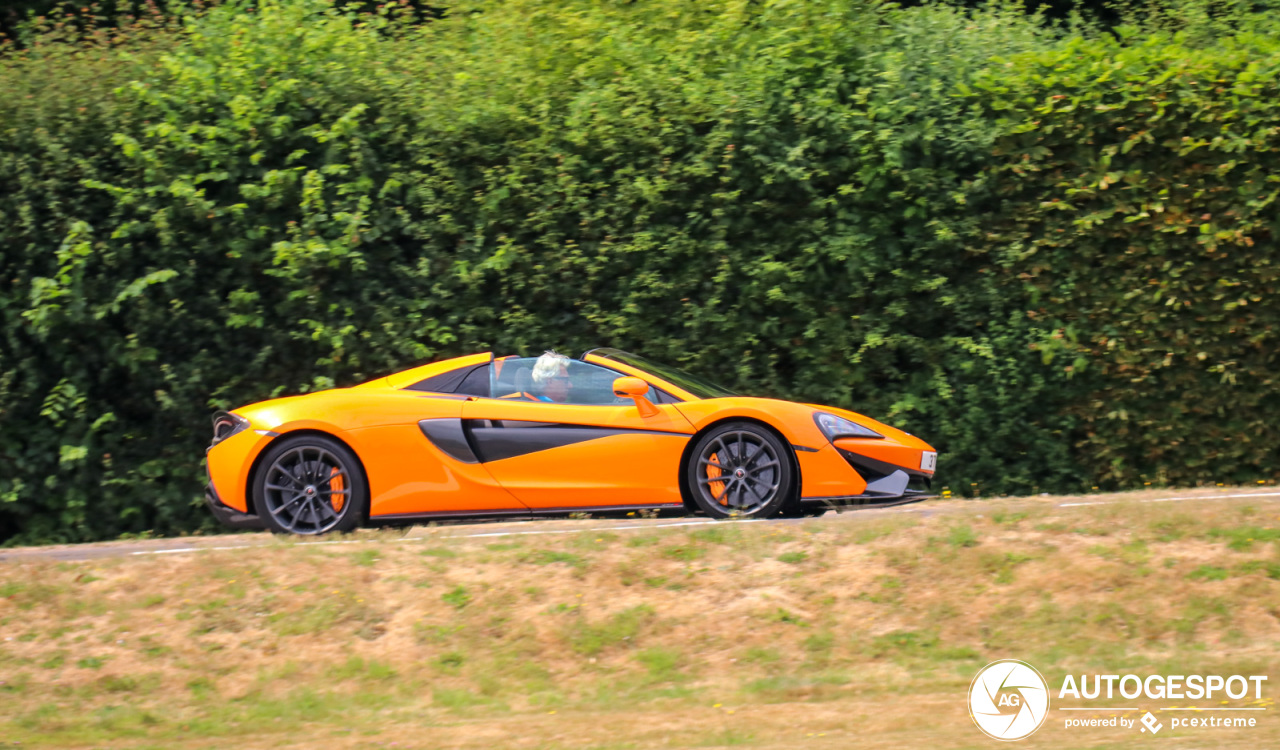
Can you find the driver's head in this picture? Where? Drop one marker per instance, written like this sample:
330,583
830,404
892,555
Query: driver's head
551,376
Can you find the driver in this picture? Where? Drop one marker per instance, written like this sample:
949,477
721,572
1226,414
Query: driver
551,378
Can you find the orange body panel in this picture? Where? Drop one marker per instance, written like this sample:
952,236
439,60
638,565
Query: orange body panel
627,469
229,463
407,474
409,377
889,451
638,467
341,413
826,474
892,434
794,421
348,409
576,456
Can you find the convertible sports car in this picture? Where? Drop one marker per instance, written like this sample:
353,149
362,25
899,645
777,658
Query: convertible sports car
484,436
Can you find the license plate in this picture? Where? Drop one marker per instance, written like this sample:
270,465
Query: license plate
928,461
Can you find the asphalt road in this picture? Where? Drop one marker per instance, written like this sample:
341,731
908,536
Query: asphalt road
484,529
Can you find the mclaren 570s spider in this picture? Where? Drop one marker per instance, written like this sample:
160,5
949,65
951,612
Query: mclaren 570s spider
480,436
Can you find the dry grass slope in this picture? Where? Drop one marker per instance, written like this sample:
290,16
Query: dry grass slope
810,635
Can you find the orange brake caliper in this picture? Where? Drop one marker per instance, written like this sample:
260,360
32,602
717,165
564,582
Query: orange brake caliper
336,499
717,488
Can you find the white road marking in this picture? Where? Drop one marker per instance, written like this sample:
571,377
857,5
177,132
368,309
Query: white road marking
178,550
605,528
1176,499
1212,497
244,546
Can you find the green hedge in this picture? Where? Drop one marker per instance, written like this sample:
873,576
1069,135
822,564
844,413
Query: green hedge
826,201
1139,181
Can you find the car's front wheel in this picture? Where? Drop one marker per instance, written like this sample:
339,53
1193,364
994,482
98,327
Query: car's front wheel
740,469
310,484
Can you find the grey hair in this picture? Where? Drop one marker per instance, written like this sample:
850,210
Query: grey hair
548,366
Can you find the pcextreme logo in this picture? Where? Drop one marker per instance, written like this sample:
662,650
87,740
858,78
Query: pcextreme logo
1008,700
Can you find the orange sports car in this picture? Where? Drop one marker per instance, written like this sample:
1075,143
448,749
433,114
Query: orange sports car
482,436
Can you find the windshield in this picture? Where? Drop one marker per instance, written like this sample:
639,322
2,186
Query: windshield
699,387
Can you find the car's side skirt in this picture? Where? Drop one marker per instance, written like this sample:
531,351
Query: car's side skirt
855,502
524,512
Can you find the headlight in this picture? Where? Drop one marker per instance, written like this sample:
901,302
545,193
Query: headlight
839,427
226,424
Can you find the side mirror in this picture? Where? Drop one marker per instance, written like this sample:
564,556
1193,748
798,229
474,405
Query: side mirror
635,389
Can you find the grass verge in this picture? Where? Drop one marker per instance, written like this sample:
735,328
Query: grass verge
825,633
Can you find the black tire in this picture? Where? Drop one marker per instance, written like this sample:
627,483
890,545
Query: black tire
740,469
310,485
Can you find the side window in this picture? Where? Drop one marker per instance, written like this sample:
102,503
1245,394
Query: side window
578,383
591,384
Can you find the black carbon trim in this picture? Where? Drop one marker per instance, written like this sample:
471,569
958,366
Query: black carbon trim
805,448
445,382
867,501
496,439
448,436
236,424
476,383
228,516
521,424
872,469
894,485
525,512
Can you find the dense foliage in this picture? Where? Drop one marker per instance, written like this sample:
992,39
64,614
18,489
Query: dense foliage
1045,249
1138,181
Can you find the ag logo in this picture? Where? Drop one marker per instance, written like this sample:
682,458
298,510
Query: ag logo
1008,700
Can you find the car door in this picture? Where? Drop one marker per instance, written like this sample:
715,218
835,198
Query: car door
590,450
417,461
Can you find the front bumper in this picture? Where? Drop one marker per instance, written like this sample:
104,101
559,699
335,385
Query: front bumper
227,515
888,480
853,473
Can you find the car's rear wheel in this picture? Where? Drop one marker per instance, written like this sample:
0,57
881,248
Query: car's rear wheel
310,484
740,469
